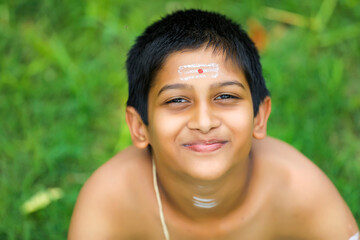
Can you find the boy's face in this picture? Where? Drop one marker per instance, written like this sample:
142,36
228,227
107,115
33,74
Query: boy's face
200,114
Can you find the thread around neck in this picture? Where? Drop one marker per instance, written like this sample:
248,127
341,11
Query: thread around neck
161,212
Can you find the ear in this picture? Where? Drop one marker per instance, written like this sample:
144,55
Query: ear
137,128
260,121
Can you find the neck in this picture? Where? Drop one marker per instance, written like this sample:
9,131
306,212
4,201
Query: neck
201,200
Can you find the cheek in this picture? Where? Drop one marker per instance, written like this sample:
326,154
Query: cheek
165,126
240,124
240,121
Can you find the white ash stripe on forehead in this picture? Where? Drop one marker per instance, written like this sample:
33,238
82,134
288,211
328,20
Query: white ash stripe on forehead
192,71
204,70
214,66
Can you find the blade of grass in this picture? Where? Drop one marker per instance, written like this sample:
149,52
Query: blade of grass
286,17
340,35
323,16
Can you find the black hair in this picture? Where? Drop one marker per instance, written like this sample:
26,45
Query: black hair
190,29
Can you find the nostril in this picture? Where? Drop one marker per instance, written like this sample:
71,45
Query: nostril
204,122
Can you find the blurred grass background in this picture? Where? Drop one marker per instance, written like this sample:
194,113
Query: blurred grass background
63,91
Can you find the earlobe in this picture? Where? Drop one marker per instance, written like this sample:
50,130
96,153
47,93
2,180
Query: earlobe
260,121
137,128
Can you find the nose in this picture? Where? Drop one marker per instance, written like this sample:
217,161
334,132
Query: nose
203,119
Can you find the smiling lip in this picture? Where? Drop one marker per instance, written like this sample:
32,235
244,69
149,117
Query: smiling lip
205,146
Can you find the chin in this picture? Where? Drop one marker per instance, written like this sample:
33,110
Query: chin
207,170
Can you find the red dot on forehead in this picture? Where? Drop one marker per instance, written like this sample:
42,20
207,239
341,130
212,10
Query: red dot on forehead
200,70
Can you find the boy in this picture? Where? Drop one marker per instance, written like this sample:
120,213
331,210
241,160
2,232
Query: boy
201,166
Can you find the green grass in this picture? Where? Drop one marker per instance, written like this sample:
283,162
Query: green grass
63,91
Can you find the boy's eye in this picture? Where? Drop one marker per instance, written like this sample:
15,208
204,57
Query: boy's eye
177,100
226,97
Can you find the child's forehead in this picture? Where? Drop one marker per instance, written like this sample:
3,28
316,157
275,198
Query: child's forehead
191,66
198,70
197,58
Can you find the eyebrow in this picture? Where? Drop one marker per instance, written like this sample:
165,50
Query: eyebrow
228,83
187,86
174,86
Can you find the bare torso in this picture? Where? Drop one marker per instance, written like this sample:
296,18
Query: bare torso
288,198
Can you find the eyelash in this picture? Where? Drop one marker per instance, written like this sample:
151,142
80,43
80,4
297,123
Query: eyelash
177,100
226,96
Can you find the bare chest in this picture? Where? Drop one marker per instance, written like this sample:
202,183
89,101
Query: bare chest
259,230
258,226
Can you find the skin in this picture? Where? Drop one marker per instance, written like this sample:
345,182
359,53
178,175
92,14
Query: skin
208,146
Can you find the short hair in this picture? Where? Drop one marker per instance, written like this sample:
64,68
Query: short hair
190,30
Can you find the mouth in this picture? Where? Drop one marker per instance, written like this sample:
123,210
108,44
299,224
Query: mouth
205,146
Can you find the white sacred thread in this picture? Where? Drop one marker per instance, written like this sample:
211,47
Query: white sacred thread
191,71
355,237
161,213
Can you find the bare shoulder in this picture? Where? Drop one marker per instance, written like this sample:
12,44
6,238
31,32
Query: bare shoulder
307,203
107,203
